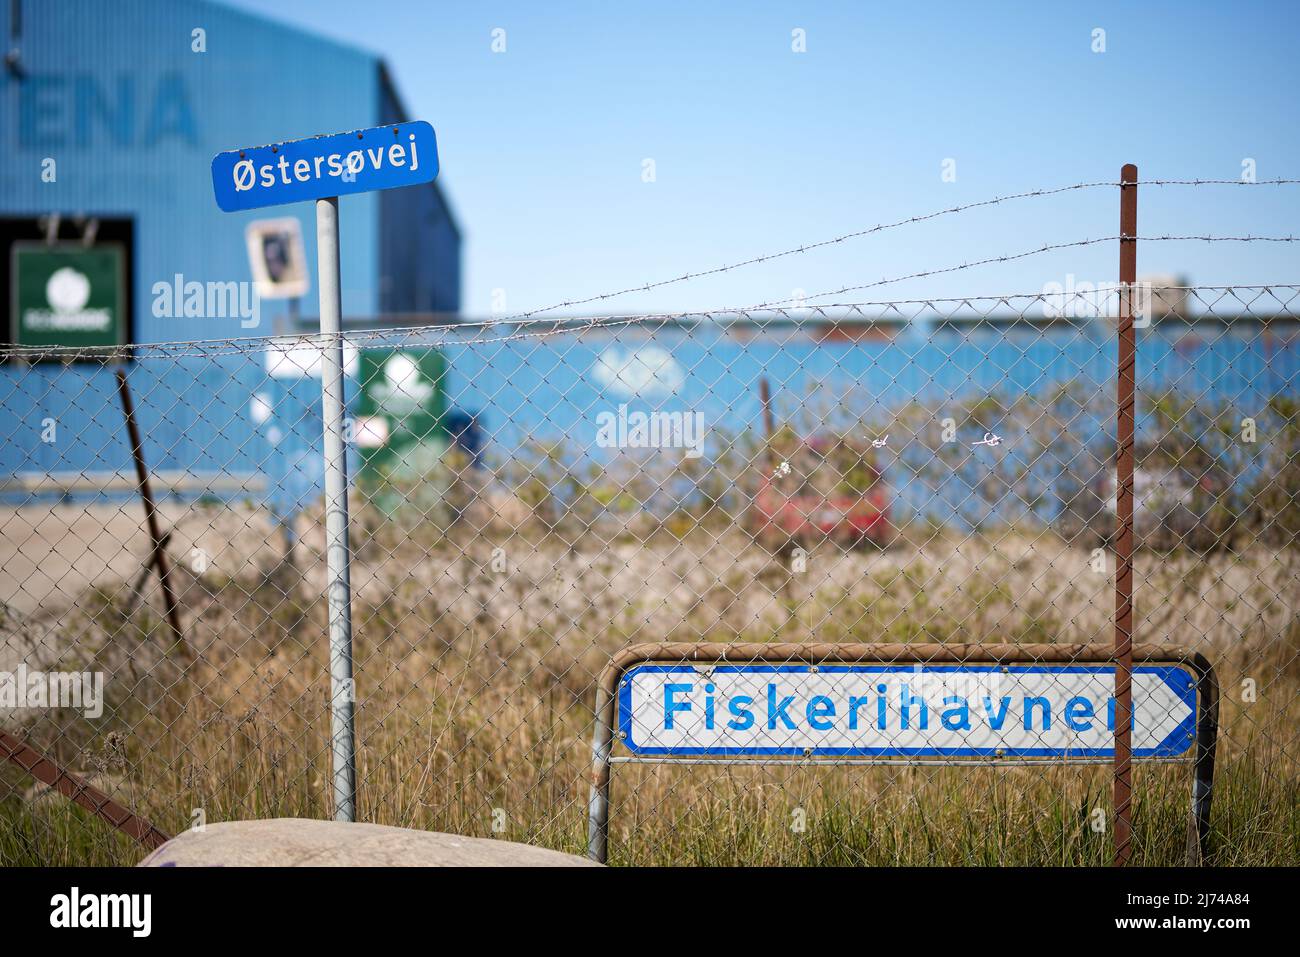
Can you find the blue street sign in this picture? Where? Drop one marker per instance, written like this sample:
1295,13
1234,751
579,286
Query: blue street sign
386,157
1060,711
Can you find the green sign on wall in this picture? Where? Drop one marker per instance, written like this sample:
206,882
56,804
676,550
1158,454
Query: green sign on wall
67,294
399,410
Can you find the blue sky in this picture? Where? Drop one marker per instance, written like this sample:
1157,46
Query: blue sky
757,148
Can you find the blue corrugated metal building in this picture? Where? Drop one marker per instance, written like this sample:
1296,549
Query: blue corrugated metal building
131,113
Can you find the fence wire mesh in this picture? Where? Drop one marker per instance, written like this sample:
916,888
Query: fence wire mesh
529,499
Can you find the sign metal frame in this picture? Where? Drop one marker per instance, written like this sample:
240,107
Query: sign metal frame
975,655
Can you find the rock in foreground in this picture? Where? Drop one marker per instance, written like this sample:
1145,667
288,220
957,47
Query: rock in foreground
295,842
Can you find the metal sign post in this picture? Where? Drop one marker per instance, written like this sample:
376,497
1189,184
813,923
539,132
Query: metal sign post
321,169
337,552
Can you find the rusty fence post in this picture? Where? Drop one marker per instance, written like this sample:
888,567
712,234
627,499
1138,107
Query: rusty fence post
1126,384
765,397
158,548
769,423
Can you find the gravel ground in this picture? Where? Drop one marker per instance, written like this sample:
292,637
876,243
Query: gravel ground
703,585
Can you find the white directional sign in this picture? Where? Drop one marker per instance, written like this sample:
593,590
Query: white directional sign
1061,711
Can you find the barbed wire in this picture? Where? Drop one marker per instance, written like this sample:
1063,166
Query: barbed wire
803,248
10,351
406,336
1212,182
881,227
1011,257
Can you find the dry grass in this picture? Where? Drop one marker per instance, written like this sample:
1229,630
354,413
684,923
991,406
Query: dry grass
475,687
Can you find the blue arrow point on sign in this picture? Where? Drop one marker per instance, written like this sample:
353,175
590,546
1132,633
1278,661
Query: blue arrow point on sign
1183,736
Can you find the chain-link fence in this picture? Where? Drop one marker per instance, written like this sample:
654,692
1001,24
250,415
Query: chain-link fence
527,500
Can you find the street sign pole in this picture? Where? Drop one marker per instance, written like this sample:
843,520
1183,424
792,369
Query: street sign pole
337,553
320,169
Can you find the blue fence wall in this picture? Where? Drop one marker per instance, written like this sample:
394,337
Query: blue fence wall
551,388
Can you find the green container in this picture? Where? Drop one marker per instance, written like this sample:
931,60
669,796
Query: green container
399,412
68,295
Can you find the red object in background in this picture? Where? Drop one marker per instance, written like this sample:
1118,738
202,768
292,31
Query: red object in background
813,501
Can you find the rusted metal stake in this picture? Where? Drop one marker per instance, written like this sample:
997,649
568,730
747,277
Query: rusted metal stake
769,424
158,554
765,395
1124,517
